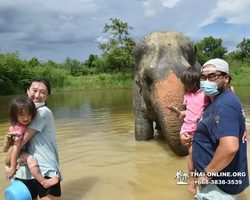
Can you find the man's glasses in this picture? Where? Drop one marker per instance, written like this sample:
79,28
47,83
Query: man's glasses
210,77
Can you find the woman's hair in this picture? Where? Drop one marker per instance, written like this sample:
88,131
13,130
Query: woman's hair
18,104
190,77
44,81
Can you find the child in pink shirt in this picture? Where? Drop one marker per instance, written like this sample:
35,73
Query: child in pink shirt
195,101
22,112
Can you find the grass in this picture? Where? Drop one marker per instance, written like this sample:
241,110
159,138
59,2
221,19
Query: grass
239,71
95,82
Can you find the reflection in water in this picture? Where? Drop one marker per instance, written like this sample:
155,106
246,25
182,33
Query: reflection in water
99,157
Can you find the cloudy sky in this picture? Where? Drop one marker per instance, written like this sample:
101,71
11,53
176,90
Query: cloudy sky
55,29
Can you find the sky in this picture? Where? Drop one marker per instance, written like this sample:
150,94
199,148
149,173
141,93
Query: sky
57,29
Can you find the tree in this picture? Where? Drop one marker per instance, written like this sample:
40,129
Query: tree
90,62
117,28
209,48
34,62
73,66
243,50
118,52
14,74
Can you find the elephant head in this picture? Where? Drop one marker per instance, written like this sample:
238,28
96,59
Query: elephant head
160,58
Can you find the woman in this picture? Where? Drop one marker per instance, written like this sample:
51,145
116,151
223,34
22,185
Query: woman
41,143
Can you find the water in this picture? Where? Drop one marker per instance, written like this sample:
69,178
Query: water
99,156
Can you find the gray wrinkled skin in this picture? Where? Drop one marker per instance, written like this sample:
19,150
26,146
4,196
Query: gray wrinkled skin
160,58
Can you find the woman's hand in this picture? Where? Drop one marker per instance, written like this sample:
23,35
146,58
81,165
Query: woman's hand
186,139
9,139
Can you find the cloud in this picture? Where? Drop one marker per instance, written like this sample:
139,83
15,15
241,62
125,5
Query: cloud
102,40
169,3
43,26
153,6
60,28
64,17
234,11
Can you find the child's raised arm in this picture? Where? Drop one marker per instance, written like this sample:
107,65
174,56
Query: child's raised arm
176,111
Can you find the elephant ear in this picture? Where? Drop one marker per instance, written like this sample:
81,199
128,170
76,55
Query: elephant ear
138,83
195,49
197,64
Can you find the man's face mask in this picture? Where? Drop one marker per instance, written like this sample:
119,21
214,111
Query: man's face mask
210,88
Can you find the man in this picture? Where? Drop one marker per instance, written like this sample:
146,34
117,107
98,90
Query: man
219,142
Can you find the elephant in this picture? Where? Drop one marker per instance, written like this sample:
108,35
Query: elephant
159,59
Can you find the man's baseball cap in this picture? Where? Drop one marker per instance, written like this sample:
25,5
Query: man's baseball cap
220,65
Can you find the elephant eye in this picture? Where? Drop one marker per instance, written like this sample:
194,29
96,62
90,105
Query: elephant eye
148,80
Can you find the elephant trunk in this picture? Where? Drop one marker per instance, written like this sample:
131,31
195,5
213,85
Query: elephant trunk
166,91
171,130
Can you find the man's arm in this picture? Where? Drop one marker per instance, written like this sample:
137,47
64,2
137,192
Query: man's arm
224,154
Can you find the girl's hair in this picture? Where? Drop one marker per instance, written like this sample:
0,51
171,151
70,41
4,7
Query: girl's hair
17,105
44,81
190,77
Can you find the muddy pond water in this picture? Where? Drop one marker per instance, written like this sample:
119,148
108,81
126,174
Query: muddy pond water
99,157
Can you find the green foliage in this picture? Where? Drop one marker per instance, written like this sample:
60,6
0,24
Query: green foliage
91,61
98,81
117,53
34,62
14,73
102,65
74,66
209,48
240,72
243,51
114,69
117,28
56,75
89,71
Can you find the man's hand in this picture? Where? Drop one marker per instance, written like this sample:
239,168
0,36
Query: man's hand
202,181
186,139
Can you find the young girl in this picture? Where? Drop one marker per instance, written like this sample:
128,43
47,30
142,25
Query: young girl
22,111
195,101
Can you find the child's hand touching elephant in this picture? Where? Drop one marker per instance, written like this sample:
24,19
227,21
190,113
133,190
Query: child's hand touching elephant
175,111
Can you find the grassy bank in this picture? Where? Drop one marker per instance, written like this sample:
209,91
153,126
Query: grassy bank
61,81
240,73
95,82
239,79
241,76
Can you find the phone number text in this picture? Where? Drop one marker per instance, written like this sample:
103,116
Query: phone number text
219,182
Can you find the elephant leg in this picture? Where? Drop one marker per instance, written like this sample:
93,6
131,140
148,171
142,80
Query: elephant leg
143,127
143,124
